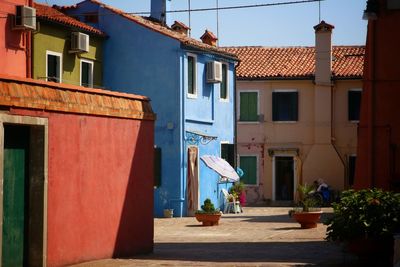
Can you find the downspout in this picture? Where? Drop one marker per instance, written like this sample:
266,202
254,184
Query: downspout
235,114
28,49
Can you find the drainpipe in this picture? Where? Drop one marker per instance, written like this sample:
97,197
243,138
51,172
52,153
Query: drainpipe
235,113
28,49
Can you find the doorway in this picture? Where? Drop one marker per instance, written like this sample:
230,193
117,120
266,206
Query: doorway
23,202
284,178
193,180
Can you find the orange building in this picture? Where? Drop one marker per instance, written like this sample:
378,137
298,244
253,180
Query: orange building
378,162
17,22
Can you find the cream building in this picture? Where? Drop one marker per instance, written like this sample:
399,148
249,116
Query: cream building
297,114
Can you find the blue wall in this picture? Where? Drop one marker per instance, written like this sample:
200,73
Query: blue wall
141,61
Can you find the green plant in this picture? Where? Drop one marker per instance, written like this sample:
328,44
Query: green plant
367,214
237,188
307,199
208,208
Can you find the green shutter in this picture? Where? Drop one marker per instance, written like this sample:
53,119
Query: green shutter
249,166
248,106
157,166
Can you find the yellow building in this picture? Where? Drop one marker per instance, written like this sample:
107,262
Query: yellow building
297,115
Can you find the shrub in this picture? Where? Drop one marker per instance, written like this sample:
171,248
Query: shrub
368,213
208,207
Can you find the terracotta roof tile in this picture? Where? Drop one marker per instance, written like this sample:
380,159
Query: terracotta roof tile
35,94
295,62
51,14
157,27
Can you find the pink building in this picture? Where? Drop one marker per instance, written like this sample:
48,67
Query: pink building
297,114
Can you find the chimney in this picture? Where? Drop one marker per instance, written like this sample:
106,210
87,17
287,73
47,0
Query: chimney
158,10
323,53
209,38
180,27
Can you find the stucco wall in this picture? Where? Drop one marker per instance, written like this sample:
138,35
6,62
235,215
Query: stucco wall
100,187
13,45
140,60
56,38
257,138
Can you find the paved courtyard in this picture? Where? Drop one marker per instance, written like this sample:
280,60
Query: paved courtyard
259,236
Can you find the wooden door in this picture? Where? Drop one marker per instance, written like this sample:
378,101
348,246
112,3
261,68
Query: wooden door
15,198
284,178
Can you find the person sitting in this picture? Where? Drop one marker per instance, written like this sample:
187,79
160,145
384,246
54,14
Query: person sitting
323,189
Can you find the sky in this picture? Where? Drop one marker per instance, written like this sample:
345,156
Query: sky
284,25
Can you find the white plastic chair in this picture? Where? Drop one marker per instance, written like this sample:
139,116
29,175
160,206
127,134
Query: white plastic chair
230,206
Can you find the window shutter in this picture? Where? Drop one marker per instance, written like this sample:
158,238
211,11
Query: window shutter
275,105
157,166
249,166
354,103
190,75
295,106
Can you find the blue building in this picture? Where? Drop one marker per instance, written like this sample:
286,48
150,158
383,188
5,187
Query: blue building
192,88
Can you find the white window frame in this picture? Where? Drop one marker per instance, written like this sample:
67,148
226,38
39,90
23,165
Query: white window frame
295,178
52,53
298,104
195,75
227,85
91,72
238,105
352,90
257,167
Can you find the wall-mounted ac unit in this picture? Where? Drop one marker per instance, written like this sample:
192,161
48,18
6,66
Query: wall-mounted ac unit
79,43
25,18
214,72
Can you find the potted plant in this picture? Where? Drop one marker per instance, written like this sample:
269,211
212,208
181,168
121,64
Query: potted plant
208,215
238,190
308,207
168,212
366,221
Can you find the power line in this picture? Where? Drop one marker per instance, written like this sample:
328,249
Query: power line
207,9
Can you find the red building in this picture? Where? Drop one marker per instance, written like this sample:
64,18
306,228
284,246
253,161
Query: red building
76,163
378,156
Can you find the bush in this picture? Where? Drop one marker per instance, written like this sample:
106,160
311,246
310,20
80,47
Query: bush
368,213
208,207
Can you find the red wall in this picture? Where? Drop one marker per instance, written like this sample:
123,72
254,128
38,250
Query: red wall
378,157
100,187
13,44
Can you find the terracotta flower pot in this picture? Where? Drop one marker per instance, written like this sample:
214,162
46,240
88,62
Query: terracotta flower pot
208,219
307,219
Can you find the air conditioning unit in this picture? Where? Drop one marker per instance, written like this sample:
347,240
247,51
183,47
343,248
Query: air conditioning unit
79,43
25,18
214,72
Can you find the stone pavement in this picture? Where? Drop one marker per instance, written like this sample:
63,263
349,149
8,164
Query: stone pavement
260,236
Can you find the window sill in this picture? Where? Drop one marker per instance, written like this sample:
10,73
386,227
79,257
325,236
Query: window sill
191,96
284,122
199,121
248,122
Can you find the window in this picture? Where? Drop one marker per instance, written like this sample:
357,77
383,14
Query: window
249,166
285,106
248,106
157,166
192,77
86,73
228,153
224,83
53,67
352,168
354,98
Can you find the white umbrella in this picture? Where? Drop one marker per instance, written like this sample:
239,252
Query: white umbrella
221,166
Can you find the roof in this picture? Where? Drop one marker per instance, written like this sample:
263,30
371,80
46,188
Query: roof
295,62
157,27
49,13
49,96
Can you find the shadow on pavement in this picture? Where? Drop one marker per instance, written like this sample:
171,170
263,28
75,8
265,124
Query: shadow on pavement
318,253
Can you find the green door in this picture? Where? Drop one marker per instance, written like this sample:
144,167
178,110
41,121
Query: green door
16,143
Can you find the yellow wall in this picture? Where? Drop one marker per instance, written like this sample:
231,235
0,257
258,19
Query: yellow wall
57,39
